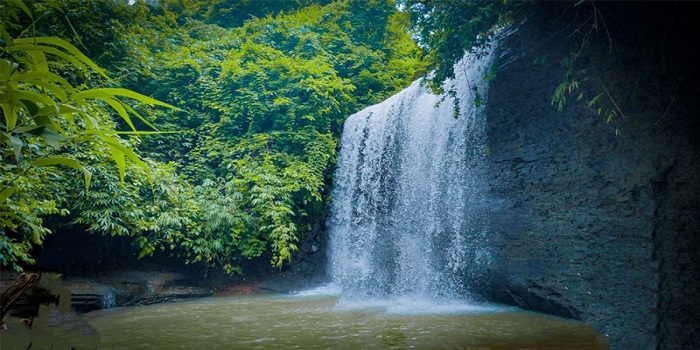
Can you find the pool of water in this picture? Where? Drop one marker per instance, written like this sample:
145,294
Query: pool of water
303,321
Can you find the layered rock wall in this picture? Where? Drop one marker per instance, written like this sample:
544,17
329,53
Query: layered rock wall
591,219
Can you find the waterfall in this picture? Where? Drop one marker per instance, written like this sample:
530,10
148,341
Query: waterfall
408,215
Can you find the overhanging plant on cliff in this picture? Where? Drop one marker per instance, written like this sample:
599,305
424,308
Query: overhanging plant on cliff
42,115
446,29
589,81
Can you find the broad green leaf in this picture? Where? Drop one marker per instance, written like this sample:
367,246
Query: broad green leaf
118,157
23,7
6,193
4,35
137,132
139,116
32,96
593,101
14,142
108,95
42,78
30,106
10,112
33,129
66,46
119,107
48,122
48,76
58,109
48,50
53,138
72,163
111,92
6,68
125,151
39,60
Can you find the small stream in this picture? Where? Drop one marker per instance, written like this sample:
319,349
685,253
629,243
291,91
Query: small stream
310,320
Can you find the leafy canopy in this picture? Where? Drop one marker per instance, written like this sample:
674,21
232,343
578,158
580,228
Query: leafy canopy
261,99
42,114
446,29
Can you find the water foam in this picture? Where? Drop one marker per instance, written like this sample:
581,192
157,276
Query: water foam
408,215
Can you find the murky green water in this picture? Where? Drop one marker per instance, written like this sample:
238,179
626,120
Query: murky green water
300,322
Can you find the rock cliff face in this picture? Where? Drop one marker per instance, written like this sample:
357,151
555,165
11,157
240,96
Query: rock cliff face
594,220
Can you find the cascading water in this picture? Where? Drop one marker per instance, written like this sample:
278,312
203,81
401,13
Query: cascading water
408,215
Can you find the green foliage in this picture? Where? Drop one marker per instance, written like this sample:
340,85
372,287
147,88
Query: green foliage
579,75
42,112
265,104
263,87
448,28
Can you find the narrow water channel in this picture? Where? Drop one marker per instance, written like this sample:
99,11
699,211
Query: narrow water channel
302,321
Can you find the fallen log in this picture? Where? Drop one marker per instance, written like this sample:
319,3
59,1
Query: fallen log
24,282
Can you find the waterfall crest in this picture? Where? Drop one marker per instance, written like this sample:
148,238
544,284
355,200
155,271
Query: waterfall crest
408,214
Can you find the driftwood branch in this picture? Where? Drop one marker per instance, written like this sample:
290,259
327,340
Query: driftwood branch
20,286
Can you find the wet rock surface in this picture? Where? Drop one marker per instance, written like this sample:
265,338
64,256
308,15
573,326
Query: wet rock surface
593,220
108,290
130,287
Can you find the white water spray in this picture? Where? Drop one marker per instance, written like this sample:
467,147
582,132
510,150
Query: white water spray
408,214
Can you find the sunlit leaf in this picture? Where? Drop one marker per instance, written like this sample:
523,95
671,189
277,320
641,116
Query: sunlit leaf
121,151
58,109
63,45
119,107
39,59
119,159
41,78
32,129
72,163
6,193
10,113
112,92
48,50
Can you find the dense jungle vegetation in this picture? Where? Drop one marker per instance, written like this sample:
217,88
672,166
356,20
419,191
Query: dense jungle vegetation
205,129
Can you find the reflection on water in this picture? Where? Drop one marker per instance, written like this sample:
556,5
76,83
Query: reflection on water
303,321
